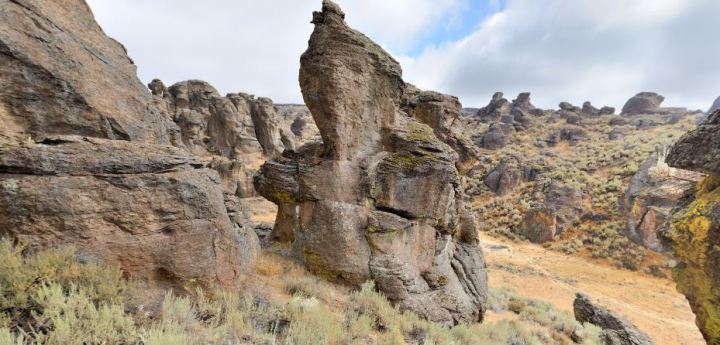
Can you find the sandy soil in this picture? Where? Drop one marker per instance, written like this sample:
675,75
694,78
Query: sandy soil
651,303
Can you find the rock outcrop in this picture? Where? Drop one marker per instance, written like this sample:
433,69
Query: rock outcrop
381,197
51,53
508,174
695,232
652,194
86,157
615,329
560,207
237,131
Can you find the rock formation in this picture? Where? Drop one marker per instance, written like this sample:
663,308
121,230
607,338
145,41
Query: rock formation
695,233
381,197
52,53
85,157
237,131
643,103
714,106
559,209
653,192
508,174
615,329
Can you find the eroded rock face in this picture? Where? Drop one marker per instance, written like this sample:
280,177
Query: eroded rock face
86,156
50,55
560,208
380,198
616,330
695,232
237,131
648,202
149,209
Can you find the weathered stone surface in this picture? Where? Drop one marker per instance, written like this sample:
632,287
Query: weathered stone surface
653,192
508,174
571,134
497,107
150,212
380,198
51,54
494,139
616,329
699,149
695,231
618,121
643,103
560,208
442,113
154,210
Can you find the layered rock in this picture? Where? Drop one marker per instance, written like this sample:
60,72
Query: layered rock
695,232
51,53
381,197
616,330
85,157
652,194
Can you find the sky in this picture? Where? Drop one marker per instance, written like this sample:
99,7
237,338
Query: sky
604,51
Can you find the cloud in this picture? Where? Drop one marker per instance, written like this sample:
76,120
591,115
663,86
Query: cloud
577,50
560,50
251,46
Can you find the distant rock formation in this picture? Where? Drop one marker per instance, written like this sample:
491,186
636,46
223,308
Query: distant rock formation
560,208
508,174
86,157
695,232
237,131
380,198
653,192
714,106
615,329
648,103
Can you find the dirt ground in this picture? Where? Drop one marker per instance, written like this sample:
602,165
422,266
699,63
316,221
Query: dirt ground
653,304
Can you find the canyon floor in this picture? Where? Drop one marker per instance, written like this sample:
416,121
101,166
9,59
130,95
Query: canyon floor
653,304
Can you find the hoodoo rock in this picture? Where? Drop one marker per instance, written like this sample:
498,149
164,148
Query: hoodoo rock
695,232
86,157
237,131
380,198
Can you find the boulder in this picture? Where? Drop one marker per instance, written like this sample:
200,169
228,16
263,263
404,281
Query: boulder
651,195
571,134
560,208
643,103
51,54
589,110
508,174
153,210
493,139
380,198
616,330
694,235
618,121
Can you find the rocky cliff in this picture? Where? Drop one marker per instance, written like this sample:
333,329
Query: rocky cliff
87,156
381,197
695,235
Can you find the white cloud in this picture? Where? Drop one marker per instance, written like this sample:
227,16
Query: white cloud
252,46
577,50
